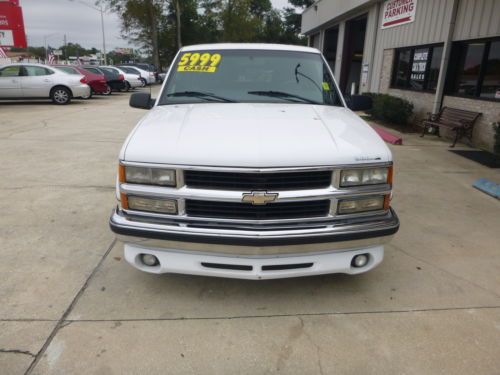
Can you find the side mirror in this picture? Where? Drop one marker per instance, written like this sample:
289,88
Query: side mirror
141,100
360,102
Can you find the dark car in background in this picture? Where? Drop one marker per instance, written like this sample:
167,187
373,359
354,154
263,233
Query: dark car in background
115,81
97,82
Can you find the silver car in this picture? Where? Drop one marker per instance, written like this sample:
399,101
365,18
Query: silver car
132,80
37,81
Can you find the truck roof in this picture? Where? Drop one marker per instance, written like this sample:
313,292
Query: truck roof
249,46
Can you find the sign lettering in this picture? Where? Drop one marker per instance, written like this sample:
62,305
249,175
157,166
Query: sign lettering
398,12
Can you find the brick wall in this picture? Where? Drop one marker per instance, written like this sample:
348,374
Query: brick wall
423,103
482,137
385,74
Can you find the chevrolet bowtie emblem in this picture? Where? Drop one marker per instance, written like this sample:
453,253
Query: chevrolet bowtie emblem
259,197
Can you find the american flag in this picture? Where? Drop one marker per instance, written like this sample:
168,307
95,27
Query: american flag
52,58
3,55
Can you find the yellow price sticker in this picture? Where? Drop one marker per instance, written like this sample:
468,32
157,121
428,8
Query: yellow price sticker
326,86
199,62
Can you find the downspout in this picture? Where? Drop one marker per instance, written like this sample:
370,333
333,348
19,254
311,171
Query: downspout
438,97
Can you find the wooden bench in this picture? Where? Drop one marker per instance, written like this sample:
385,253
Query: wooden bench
457,120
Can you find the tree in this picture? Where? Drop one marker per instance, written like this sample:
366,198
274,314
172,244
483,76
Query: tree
292,20
301,3
141,22
75,49
161,27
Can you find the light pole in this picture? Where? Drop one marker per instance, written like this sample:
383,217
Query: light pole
101,10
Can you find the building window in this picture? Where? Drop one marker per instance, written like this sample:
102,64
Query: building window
417,68
490,87
477,71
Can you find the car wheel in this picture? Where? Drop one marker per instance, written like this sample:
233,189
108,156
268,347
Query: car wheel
127,86
143,82
60,95
108,90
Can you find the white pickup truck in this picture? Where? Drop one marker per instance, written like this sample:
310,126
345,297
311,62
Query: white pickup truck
250,165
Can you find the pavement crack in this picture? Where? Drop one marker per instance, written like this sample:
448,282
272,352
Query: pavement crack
17,351
25,187
62,321
313,343
327,313
62,141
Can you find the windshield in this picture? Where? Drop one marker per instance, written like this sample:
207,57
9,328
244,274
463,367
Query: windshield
251,76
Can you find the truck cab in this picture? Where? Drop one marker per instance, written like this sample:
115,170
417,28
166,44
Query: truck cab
250,165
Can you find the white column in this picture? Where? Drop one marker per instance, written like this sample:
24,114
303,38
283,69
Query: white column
340,50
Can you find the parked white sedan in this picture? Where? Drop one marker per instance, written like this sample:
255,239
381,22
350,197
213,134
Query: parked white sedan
131,80
148,78
37,81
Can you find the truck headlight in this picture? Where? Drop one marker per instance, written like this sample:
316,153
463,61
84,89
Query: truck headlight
149,176
163,206
365,204
368,176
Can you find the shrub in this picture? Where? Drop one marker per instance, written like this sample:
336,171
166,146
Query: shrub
391,109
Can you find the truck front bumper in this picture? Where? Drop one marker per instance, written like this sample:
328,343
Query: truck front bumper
251,254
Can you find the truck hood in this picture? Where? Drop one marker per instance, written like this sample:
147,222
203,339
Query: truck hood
253,135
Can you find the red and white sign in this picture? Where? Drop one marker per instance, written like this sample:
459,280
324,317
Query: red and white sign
398,12
12,32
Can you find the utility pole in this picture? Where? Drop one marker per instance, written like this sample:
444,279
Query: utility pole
103,37
100,9
178,16
65,50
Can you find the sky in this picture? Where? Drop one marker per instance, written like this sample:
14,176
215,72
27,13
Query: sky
52,19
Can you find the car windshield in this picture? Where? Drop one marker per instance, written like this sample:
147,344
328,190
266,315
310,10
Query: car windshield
252,76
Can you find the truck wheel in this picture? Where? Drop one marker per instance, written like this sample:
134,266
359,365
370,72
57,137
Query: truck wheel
60,95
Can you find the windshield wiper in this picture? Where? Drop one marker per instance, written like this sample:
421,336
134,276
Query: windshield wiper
297,74
202,95
283,95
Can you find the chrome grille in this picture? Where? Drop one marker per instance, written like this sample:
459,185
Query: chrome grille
258,181
236,210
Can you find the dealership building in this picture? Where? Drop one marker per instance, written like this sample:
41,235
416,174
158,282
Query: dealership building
434,53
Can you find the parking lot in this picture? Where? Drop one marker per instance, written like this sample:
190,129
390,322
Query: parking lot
70,304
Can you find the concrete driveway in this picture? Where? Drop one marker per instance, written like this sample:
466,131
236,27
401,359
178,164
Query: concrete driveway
69,303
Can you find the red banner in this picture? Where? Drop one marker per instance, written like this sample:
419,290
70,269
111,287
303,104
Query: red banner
12,32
